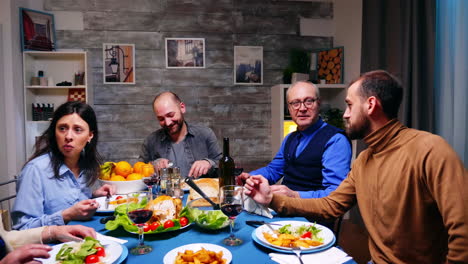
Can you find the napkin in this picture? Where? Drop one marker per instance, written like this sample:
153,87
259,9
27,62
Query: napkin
253,207
330,256
102,237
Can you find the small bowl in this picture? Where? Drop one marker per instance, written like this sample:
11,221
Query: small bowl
205,206
124,187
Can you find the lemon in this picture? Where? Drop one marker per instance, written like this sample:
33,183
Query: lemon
134,176
117,178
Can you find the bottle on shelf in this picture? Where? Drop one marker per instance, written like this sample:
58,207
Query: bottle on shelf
226,167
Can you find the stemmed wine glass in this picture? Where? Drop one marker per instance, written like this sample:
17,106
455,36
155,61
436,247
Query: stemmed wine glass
231,201
136,202
151,180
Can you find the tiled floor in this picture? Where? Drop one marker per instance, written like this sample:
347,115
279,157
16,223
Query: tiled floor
353,240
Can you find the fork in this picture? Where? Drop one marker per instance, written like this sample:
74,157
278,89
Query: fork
297,251
106,202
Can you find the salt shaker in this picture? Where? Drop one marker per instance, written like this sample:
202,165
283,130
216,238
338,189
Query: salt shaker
176,184
163,176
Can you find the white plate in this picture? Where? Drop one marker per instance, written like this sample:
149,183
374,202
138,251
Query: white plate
102,204
113,252
325,233
170,257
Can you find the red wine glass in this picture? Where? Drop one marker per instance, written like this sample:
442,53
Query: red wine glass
231,201
137,213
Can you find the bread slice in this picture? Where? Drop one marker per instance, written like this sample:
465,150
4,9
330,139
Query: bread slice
210,186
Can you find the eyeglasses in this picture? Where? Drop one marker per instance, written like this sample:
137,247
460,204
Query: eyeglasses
308,103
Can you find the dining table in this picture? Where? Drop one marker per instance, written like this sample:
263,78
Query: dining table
248,252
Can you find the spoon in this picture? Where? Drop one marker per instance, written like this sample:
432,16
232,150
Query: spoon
192,184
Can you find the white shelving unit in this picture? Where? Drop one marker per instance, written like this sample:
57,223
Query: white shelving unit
58,65
332,94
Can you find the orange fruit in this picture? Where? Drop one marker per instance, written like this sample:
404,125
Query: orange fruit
117,178
147,170
137,167
134,176
123,168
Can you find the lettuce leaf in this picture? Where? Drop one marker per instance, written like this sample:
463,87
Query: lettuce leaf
300,230
214,219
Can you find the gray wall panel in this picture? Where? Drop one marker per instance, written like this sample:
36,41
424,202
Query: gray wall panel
241,112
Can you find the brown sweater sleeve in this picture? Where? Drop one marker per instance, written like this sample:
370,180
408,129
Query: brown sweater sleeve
332,206
447,181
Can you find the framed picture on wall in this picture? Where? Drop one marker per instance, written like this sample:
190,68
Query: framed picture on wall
327,65
37,30
185,53
248,65
118,63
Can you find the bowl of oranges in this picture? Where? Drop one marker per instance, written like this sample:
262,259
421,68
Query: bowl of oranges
125,177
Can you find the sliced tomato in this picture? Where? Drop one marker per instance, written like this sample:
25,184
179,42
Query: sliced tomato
307,234
183,221
100,252
146,228
118,197
154,226
168,223
92,259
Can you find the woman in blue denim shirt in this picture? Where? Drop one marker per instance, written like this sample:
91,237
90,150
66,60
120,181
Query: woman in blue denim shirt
54,186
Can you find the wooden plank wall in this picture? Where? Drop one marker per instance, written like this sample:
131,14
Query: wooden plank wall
241,113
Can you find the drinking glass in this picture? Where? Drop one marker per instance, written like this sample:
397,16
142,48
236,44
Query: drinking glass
231,201
136,202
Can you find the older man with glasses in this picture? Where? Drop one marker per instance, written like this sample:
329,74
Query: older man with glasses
313,160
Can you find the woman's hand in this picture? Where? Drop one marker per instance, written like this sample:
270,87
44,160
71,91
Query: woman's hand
27,254
82,210
105,190
72,232
259,189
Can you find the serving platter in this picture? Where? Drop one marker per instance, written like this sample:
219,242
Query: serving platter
162,232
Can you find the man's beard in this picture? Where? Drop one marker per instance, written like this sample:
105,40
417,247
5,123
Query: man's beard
359,129
178,127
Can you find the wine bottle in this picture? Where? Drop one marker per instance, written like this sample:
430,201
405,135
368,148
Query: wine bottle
226,167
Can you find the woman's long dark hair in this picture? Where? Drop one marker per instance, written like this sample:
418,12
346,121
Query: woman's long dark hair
47,143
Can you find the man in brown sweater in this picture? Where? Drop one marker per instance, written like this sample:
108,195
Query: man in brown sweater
410,184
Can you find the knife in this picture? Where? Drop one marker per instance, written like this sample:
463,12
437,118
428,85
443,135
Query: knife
254,222
192,184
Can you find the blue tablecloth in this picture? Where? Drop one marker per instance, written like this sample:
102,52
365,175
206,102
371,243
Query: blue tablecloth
248,252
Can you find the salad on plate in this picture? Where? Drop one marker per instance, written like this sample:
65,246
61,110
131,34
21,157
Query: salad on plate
310,237
88,251
290,236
